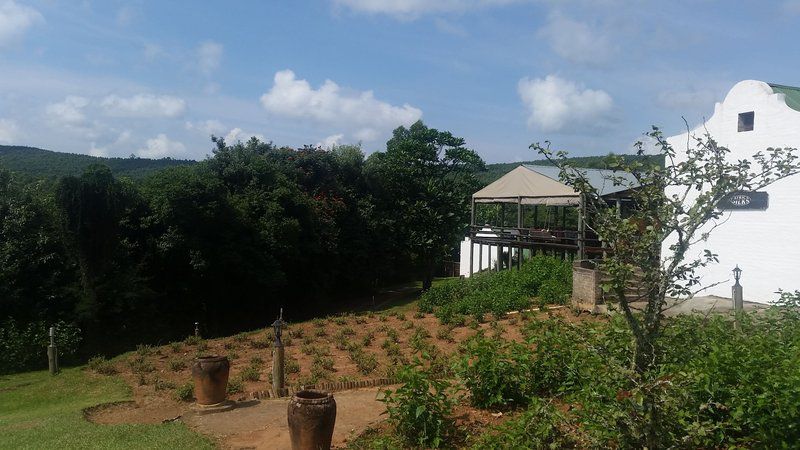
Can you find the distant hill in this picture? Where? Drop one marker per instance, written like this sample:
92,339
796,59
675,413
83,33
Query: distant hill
37,163
497,170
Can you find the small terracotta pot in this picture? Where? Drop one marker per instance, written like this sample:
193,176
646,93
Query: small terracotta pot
210,374
312,415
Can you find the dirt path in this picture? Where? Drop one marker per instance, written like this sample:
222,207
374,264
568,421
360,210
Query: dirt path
262,424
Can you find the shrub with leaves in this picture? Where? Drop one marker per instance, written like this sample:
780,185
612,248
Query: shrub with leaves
540,426
101,365
185,392
500,292
497,373
421,409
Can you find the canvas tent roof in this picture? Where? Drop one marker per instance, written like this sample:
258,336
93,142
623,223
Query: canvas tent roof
540,185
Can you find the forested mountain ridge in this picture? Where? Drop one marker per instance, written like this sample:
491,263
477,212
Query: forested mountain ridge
39,163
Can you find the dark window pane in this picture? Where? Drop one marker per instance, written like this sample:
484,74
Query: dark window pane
746,121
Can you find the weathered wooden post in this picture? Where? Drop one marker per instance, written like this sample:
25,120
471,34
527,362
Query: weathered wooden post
277,358
52,353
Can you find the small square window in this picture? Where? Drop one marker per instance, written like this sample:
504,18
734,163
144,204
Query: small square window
746,121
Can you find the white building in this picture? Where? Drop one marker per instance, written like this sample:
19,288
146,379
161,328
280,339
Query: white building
765,244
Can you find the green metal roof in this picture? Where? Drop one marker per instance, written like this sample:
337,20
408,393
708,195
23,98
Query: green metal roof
792,95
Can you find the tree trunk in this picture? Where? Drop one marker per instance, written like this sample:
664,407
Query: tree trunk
427,276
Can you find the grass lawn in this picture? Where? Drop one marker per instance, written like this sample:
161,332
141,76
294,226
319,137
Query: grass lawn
41,411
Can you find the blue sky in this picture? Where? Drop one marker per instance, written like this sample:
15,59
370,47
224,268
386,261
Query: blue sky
155,79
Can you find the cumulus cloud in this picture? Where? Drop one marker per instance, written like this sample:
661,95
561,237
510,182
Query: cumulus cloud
15,20
8,131
554,103
330,141
209,56
207,127
69,111
236,135
160,147
408,9
330,104
143,105
576,41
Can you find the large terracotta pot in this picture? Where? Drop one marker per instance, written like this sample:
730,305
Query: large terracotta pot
312,415
210,374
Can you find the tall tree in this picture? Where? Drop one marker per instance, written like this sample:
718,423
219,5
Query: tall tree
423,183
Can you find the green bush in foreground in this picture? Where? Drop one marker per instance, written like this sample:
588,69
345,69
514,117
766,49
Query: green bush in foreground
496,372
421,409
500,292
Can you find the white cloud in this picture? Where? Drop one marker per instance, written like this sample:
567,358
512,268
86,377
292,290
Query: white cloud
15,20
330,141
143,105
576,41
94,150
160,147
236,135
8,131
207,127
209,56
68,112
409,9
554,103
367,116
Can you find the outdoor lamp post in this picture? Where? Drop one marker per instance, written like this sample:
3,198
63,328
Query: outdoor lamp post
738,299
277,357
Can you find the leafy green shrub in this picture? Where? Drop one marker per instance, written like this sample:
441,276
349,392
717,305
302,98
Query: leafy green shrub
140,365
101,365
175,346
242,337
540,426
366,363
367,339
176,365
421,408
250,373
555,292
260,343
163,385
185,392
235,386
192,340
499,292
496,372
292,366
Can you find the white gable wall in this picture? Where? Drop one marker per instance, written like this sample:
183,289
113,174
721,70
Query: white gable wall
765,244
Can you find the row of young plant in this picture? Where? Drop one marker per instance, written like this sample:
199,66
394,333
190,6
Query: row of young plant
545,277
572,386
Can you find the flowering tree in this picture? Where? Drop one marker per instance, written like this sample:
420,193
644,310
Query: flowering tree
674,204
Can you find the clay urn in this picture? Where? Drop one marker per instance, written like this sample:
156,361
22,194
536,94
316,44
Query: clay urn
312,415
210,374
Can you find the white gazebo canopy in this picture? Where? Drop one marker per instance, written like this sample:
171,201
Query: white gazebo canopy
540,185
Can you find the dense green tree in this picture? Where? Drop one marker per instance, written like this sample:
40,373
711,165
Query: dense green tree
423,183
37,280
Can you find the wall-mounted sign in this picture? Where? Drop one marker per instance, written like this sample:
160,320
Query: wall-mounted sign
744,200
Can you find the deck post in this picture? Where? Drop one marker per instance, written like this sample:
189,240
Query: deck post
581,228
480,257
519,212
472,213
